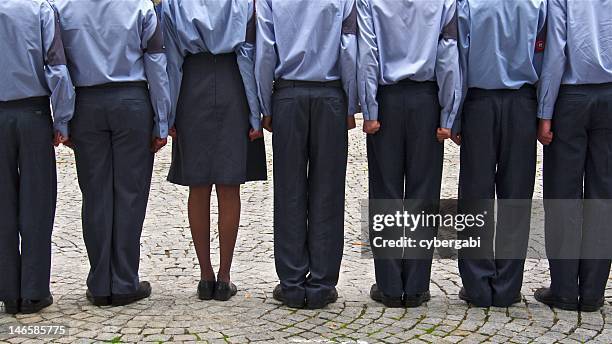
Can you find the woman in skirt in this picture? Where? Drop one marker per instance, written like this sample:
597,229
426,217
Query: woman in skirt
216,121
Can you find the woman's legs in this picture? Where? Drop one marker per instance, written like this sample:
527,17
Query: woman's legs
199,221
228,197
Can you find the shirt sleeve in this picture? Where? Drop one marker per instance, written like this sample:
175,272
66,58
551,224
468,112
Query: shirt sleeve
155,68
56,74
555,58
463,41
174,56
265,55
448,74
540,44
348,56
368,61
246,63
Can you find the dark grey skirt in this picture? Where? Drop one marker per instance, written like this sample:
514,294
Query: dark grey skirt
212,125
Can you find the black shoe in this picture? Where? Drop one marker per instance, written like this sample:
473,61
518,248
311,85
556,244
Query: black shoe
590,305
98,300
11,307
144,291
391,302
417,300
224,291
35,306
545,296
464,296
206,290
278,296
332,297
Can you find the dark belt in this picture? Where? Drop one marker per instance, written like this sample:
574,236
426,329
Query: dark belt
407,83
125,84
25,102
209,55
594,87
527,89
278,84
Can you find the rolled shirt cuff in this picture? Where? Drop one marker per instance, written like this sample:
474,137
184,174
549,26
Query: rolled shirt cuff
370,114
256,124
160,131
62,128
546,114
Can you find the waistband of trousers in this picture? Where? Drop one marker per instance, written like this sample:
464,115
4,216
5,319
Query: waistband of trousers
38,102
278,84
411,84
527,90
587,87
210,56
115,85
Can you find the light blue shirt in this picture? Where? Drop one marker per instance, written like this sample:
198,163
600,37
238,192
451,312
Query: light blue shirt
216,27
306,40
111,41
578,48
32,59
501,42
409,39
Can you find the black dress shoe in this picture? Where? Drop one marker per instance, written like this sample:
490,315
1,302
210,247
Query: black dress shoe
144,291
546,296
278,296
35,306
464,296
379,296
332,297
591,305
11,306
224,291
417,300
98,300
206,290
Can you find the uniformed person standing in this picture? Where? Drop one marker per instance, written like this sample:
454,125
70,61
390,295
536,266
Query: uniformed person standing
33,70
575,127
210,49
116,59
500,58
410,94
307,52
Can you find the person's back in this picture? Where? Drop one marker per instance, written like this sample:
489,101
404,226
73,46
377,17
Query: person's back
306,73
499,42
309,43
103,39
116,57
410,88
210,50
589,42
501,46
33,73
20,23
575,120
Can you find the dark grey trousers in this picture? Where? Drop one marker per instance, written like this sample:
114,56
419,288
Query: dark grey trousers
310,145
577,165
112,130
28,189
498,157
405,163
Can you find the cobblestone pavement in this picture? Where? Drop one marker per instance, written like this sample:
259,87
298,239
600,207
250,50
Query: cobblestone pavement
173,313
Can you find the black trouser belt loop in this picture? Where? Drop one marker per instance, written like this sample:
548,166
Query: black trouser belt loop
278,84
